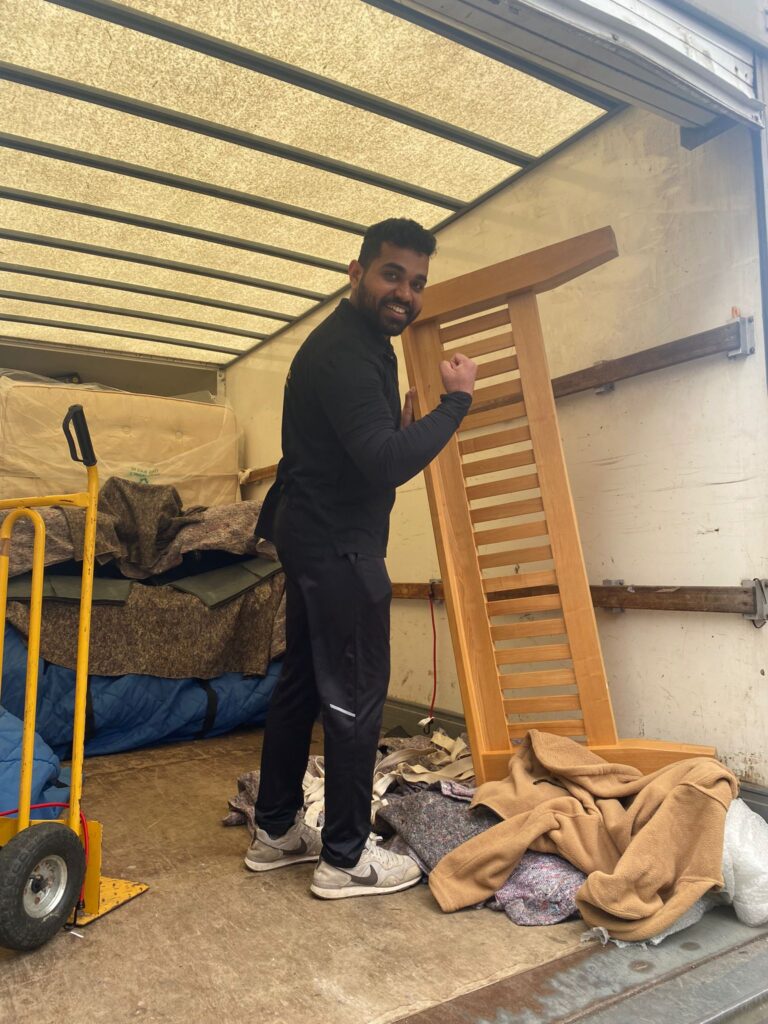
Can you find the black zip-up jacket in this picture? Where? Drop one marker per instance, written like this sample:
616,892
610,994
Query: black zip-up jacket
343,450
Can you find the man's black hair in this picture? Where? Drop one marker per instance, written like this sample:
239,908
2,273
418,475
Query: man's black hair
399,231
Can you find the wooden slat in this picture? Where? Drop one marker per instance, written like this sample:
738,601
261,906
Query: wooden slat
485,418
519,605
647,755
498,463
537,627
257,475
537,271
561,516
508,390
515,556
485,346
504,533
495,367
529,680
487,322
543,705
507,511
530,655
520,581
498,439
510,485
563,727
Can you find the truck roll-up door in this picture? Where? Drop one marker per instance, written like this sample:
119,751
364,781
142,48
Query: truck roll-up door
648,53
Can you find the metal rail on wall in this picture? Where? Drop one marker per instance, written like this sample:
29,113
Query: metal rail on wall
749,599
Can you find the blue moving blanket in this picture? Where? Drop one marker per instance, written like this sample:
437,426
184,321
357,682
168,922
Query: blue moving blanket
47,786
126,712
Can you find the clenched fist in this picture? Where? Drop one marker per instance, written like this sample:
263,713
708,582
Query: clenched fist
407,417
458,373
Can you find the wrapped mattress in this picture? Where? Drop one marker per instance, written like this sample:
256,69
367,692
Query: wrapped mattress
150,439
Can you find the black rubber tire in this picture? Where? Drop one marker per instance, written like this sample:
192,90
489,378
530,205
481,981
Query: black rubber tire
19,929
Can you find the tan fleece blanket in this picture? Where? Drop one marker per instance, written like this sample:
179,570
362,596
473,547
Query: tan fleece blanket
651,845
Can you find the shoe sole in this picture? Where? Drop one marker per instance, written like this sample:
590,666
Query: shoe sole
361,890
284,862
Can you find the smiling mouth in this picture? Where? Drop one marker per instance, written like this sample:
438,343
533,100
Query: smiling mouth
396,309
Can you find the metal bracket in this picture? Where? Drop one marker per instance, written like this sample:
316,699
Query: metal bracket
692,138
615,583
760,588
746,338
604,389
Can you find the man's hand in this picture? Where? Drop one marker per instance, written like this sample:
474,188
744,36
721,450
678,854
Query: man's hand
458,374
407,417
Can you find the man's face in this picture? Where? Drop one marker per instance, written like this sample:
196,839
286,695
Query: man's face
389,292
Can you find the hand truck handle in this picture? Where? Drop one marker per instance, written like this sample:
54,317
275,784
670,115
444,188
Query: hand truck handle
76,418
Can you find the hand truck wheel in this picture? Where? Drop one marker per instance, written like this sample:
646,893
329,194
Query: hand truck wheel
41,875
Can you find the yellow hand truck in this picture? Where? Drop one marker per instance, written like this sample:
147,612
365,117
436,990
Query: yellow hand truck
50,871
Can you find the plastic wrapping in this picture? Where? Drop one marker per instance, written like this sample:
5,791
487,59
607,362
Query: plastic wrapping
150,439
745,863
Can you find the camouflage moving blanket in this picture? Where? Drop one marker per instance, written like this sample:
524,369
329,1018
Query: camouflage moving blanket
142,528
159,631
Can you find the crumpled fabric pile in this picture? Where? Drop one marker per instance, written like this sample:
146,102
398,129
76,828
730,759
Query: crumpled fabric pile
431,821
650,845
413,761
421,794
656,849
425,799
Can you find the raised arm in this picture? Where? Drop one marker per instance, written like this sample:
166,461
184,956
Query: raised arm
352,398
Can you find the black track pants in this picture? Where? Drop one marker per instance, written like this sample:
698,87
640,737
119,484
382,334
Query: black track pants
337,663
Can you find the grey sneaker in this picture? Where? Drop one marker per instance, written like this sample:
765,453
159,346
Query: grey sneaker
299,844
378,871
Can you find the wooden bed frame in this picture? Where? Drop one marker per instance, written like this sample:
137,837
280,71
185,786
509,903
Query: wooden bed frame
532,661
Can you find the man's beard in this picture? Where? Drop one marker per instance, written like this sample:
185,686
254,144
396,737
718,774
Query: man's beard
381,320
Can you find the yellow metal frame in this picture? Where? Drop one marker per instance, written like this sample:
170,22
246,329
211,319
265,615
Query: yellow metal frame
100,895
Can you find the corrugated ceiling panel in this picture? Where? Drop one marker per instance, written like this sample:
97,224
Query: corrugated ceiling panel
130,325
119,271
375,51
118,192
24,217
106,343
76,46
69,291
106,132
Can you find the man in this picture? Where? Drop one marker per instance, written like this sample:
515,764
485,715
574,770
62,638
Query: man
346,447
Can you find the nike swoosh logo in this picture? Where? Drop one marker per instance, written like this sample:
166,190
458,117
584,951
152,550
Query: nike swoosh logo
300,849
370,879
